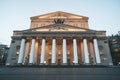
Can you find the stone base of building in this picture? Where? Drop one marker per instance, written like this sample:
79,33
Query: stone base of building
60,66
64,64
31,64
42,64
60,73
19,64
53,64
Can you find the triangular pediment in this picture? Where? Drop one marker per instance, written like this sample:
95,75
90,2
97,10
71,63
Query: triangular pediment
59,14
60,28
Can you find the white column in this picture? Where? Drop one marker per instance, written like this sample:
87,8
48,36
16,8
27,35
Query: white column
26,53
42,52
64,52
22,46
97,54
31,59
86,54
75,51
53,51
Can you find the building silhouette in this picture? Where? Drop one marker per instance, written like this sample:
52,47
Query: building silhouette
114,43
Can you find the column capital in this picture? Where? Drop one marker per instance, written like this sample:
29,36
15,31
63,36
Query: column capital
33,37
23,37
95,37
84,37
53,37
27,40
74,37
43,37
92,38
65,38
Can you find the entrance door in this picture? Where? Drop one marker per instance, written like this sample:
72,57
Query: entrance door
59,61
49,61
68,61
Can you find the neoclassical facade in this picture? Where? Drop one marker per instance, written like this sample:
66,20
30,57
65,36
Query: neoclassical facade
59,38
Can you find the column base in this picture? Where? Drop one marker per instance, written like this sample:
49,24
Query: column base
111,64
87,64
7,64
64,64
53,64
98,63
30,64
41,64
94,63
75,64
19,64
23,63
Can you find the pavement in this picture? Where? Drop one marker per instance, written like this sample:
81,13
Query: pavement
60,73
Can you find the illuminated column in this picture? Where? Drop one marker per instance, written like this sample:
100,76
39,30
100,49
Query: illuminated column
42,52
97,54
53,51
31,59
64,52
75,51
86,54
26,53
22,46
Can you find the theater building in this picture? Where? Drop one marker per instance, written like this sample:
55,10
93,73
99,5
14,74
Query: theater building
59,38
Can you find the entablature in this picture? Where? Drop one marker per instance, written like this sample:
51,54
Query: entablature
57,34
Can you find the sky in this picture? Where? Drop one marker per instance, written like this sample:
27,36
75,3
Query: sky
15,14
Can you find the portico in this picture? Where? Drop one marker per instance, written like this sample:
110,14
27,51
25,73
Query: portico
59,51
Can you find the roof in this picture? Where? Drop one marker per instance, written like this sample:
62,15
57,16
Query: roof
59,14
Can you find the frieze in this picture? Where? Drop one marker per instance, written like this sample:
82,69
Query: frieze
57,34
